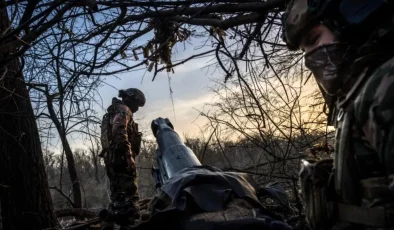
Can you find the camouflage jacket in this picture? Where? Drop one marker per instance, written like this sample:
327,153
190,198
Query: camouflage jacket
374,113
364,158
122,126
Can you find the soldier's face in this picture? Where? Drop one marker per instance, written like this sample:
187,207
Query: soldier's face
316,37
324,57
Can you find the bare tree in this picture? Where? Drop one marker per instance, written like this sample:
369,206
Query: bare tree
113,31
65,99
265,122
25,199
94,153
94,193
242,37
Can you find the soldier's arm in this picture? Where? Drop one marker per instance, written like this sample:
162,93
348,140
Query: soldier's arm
121,118
377,115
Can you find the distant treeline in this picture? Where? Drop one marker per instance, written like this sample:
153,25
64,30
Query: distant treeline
266,165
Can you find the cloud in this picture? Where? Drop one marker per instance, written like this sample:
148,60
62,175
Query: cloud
186,121
190,91
182,112
189,86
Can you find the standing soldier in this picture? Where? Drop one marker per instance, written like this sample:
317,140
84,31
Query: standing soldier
121,142
349,49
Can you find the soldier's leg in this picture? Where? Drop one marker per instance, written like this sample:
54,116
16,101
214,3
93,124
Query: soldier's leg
118,176
120,182
127,182
132,187
112,176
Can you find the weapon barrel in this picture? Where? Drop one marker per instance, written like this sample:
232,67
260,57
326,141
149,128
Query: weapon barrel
173,155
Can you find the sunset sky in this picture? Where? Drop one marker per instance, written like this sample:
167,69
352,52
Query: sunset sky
190,92
190,86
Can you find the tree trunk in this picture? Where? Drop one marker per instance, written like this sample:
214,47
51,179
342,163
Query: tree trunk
95,163
73,173
69,156
26,202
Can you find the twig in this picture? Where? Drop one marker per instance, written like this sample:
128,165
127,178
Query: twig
206,145
251,37
89,222
64,195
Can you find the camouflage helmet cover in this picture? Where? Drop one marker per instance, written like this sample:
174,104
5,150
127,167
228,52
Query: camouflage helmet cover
299,16
134,92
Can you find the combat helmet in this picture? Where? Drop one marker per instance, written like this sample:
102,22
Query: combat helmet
340,16
351,21
135,93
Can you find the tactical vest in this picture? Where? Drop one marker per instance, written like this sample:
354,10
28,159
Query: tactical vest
106,132
352,193
335,196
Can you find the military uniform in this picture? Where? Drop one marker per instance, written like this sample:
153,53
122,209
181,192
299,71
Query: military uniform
119,157
121,141
356,190
364,158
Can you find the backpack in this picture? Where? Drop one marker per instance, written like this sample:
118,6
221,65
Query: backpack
137,139
106,130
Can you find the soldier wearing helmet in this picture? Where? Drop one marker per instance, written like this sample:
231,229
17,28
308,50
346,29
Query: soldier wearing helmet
349,48
121,141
